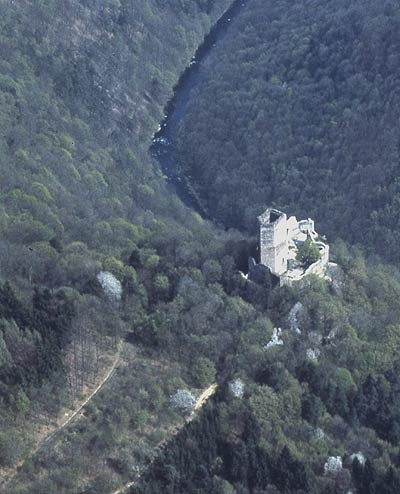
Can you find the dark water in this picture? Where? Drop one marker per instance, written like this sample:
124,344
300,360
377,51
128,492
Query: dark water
164,147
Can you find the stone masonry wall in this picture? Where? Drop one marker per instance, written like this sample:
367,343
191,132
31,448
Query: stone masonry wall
274,245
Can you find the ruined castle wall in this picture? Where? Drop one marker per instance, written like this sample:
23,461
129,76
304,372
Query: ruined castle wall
279,237
307,226
274,245
293,226
318,269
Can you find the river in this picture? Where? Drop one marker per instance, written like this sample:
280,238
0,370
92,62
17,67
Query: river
164,148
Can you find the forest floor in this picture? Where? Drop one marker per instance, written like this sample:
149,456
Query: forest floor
45,433
131,370
69,417
200,402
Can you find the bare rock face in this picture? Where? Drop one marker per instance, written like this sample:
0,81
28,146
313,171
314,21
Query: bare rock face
336,275
275,339
294,317
313,354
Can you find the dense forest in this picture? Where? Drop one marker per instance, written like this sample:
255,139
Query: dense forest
330,388
299,107
99,258
80,100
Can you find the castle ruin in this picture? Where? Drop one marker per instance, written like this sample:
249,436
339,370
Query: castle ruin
280,239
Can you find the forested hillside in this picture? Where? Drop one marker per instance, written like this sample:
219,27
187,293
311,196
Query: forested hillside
82,87
99,258
300,108
328,387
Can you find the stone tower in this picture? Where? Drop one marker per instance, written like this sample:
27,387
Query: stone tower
274,240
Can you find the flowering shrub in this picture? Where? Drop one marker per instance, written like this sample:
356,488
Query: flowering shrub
111,285
237,388
183,400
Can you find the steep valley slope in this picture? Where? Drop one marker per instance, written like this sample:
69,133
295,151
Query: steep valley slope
83,85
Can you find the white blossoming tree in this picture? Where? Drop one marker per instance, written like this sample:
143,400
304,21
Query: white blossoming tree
183,400
333,465
360,457
313,354
294,317
111,286
236,387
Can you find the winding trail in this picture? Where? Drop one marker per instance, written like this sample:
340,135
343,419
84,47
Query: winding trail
164,151
71,418
78,410
200,402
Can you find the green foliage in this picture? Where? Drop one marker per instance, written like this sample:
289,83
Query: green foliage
161,284
78,193
22,404
212,271
293,108
300,113
41,192
151,262
308,253
345,379
203,372
114,266
11,447
266,407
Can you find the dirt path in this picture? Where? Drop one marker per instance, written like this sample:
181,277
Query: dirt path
202,399
200,402
74,415
78,410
